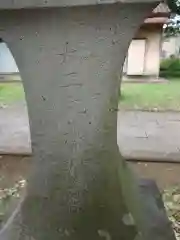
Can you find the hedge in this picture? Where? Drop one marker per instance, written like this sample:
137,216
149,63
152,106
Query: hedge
170,67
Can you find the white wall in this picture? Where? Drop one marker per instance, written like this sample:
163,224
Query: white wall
136,57
171,46
151,64
7,62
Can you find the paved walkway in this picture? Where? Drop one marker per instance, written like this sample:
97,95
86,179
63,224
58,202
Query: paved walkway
141,135
149,135
14,130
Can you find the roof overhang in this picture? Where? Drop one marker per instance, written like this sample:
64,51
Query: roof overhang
162,10
156,20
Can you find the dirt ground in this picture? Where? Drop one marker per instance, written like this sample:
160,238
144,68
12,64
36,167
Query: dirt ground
165,174
14,168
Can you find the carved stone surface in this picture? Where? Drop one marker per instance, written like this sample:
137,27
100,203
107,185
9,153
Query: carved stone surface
18,4
70,60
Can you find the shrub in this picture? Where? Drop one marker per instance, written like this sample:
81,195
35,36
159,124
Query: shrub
170,67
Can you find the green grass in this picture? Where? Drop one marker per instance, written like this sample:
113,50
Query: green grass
11,93
151,96
134,96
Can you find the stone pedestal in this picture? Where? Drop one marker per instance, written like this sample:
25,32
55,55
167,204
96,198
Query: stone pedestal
70,59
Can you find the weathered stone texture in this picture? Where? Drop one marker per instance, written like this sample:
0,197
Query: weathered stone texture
70,61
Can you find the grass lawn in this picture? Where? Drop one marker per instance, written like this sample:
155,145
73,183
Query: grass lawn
151,96
134,96
11,93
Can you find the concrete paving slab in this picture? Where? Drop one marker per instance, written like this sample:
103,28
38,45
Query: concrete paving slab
147,136
14,130
162,131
